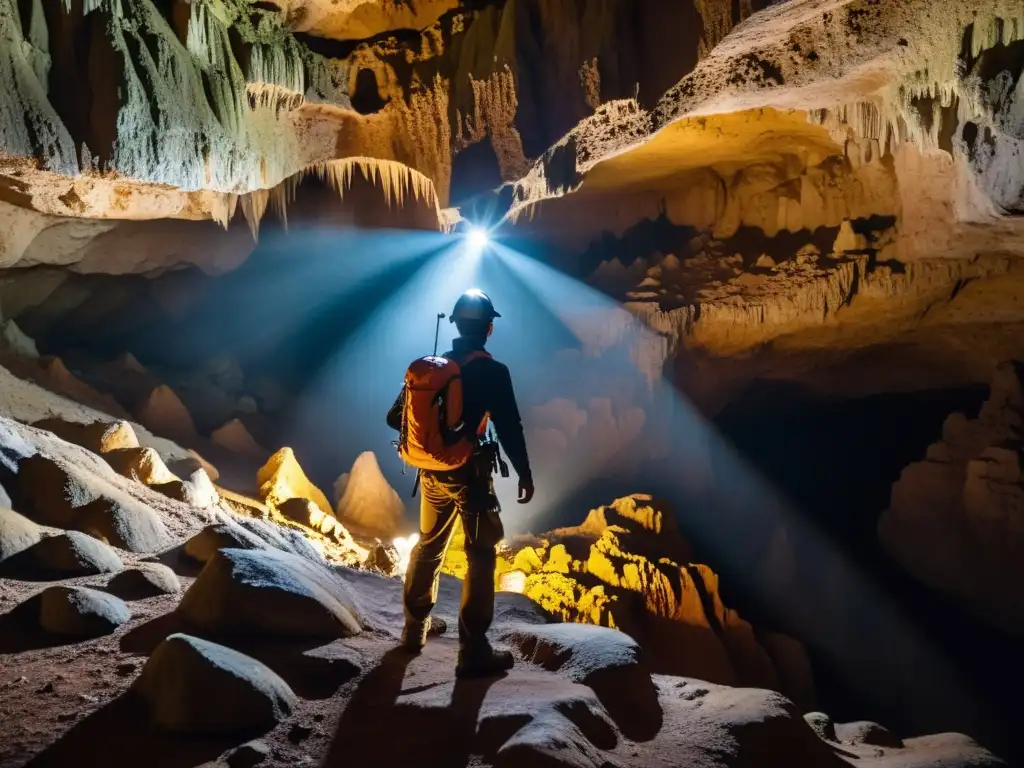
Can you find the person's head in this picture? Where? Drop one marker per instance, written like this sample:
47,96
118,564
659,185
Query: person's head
474,314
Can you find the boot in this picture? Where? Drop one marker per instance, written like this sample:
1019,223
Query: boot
414,634
484,661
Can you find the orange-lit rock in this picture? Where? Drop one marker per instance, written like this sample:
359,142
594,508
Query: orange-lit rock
281,478
366,503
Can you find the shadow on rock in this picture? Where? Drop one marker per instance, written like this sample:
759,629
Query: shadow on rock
631,701
120,734
179,562
376,730
313,670
20,630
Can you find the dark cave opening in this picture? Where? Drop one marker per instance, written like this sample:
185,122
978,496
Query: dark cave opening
836,459
475,171
367,99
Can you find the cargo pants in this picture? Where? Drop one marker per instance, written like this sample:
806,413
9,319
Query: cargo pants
466,494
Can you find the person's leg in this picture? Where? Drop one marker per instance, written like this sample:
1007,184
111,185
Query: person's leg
484,530
438,511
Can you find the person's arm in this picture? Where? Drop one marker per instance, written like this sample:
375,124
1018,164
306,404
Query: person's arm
509,425
395,413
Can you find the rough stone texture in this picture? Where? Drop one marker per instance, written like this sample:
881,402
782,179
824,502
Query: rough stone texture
236,438
956,519
68,495
281,478
606,574
17,533
142,464
366,502
144,580
163,412
864,732
197,491
195,686
271,593
80,612
233,532
73,554
99,437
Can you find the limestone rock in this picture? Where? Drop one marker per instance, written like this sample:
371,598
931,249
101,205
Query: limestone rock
60,494
269,593
17,533
245,533
822,725
956,520
385,559
205,544
16,340
142,464
5,500
236,438
144,580
248,755
197,491
307,513
847,240
80,612
865,732
367,504
73,554
163,412
98,437
281,478
125,524
195,686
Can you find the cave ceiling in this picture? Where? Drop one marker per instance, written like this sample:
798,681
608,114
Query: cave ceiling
822,168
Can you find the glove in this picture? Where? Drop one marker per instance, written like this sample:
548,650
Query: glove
525,490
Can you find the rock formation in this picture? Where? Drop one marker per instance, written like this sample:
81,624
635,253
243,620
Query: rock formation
366,503
955,518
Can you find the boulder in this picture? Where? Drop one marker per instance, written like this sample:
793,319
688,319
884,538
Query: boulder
307,513
603,659
866,732
195,686
822,725
142,464
236,438
80,612
72,554
17,533
267,592
5,500
281,478
245,533
197,491
66,495
366,503
125,524
163,412
98,437
144,580
247,755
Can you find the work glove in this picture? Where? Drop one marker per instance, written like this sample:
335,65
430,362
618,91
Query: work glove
525,491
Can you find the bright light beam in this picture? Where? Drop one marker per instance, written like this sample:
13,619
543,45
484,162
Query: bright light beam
477,239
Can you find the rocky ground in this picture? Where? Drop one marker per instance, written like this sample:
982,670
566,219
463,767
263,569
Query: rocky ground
152,619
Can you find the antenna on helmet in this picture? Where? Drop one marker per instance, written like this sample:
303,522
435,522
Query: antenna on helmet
437,330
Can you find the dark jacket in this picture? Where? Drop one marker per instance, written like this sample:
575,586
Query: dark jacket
486,388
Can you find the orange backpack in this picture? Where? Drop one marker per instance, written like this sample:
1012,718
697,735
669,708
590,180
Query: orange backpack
433,436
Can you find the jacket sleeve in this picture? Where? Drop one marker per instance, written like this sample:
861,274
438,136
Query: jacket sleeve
509,425
395,412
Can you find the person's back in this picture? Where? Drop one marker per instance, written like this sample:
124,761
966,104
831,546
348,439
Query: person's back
467,492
